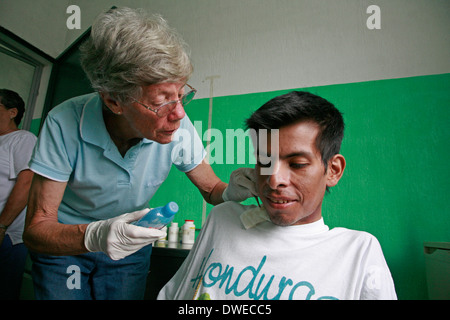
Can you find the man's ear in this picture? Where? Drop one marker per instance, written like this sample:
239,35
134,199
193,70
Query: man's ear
111,103
336,166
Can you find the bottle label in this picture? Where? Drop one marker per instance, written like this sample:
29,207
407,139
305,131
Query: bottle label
188,235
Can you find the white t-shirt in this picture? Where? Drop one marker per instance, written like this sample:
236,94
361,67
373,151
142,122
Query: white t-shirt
267,261
15,153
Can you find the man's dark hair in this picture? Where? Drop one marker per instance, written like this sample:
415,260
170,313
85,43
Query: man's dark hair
301,106
11,100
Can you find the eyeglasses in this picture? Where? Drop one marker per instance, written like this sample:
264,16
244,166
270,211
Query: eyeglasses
166,108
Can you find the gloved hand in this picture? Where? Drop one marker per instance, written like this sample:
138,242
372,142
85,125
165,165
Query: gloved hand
242,185
117,238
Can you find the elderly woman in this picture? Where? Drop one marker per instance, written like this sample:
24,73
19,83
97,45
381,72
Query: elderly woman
101,157
16,147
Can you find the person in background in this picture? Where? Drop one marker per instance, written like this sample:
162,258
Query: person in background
284,250
16,147
101,157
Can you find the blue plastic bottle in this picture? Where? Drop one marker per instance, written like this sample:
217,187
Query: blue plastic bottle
159,217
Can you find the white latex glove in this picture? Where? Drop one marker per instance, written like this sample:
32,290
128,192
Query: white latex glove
117,238
242,185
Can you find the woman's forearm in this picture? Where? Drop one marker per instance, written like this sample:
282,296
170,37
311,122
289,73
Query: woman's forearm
43,233
50,237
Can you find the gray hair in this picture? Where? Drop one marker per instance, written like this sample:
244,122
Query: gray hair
128,49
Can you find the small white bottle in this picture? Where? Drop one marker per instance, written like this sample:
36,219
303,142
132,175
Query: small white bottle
173,232
188,232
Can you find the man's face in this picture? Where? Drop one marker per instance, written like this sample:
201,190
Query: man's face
293,192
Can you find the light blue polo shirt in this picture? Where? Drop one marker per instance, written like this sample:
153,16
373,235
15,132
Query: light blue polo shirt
74,146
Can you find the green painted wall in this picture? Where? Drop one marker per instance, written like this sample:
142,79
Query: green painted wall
35,123
397,150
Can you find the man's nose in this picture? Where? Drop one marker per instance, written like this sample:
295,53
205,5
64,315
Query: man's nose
279,177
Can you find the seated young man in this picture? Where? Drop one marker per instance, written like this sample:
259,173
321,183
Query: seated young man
284,250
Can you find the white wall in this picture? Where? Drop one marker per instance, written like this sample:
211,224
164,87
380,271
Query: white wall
39,22
266,45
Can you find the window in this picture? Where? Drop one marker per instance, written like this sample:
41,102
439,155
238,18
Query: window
23,70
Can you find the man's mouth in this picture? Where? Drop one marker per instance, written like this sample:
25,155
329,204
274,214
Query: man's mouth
280,200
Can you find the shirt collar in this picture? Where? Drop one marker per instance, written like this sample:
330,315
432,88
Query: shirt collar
92,125
256,215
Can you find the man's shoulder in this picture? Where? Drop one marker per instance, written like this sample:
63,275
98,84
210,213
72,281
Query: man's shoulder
230,206
362,238
227,210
